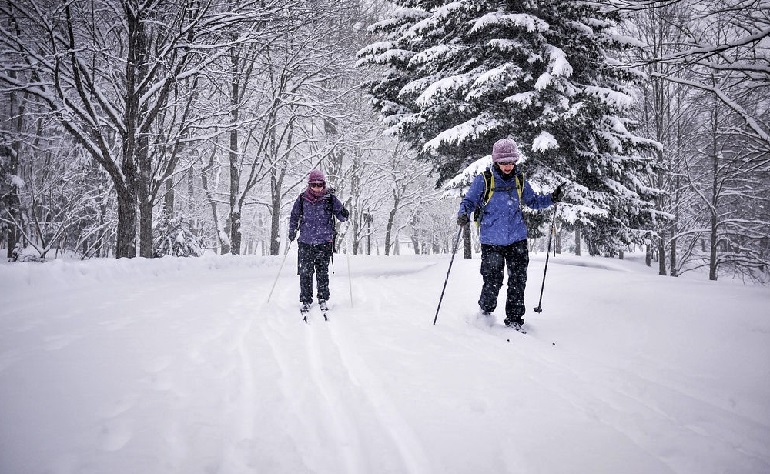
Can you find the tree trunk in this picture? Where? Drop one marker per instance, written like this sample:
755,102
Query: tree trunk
648,255
234,157
389,226
144,198
145,229
275,224
661,205
578,238
125,246
714,227
224,245
672,255
127,198
168,200
11,200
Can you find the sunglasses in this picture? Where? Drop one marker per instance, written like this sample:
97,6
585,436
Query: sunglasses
317,185
506,163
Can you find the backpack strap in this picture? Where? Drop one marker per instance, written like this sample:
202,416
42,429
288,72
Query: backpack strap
489,189
489,186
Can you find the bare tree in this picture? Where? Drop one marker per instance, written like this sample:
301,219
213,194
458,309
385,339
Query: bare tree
707,104
106,70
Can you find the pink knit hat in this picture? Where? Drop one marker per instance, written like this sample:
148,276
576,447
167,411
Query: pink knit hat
316,177
505,150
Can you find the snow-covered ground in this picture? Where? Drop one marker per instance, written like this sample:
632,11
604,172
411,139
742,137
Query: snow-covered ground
182,366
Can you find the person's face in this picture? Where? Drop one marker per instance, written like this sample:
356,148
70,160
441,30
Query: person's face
506,166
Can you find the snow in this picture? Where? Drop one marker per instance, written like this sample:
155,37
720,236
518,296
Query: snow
182,366
441,87
544,141
609,96
558,64
477,126
519,20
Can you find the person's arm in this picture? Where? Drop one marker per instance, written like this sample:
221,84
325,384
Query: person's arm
294,219
473,197
340,212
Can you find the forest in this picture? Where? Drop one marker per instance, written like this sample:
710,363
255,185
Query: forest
148,128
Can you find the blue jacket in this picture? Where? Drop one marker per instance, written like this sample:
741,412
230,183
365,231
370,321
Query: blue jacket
502,220
317,223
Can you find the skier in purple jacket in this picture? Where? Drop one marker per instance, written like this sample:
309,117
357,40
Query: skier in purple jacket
503,232
313,215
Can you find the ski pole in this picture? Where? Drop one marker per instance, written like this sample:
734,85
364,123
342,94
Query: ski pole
454,251
286,254
539,308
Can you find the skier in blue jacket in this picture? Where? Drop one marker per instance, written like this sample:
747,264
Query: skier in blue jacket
313,215
503,232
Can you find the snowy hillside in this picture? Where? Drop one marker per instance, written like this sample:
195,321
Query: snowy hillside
181,366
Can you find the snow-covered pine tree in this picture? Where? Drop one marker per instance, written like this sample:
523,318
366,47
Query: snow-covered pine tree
459,75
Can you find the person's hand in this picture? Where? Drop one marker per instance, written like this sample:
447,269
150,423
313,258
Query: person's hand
463,219
558,193
345,213
292,235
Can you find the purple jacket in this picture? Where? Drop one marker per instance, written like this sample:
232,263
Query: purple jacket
315,220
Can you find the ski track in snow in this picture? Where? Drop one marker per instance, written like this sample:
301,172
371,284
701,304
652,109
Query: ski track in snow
296,397
368,436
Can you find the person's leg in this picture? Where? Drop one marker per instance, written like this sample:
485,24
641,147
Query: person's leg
305,268
517,260
322,259
492,266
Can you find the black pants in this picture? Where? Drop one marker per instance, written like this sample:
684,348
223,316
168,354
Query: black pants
313,259
494,258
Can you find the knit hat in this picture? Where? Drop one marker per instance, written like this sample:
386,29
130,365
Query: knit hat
505,150
316,177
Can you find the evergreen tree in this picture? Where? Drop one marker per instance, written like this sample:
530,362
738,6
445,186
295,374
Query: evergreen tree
460,75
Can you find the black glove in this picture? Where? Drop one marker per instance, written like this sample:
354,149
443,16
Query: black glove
463,219
345,213
558,193
292,235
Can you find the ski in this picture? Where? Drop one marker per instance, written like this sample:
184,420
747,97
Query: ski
305,313
305,317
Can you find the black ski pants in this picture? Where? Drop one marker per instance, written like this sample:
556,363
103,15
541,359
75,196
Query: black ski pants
494,259
313,259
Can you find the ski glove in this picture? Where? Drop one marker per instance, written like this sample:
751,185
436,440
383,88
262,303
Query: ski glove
345,213
462,219
558,193
292,235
